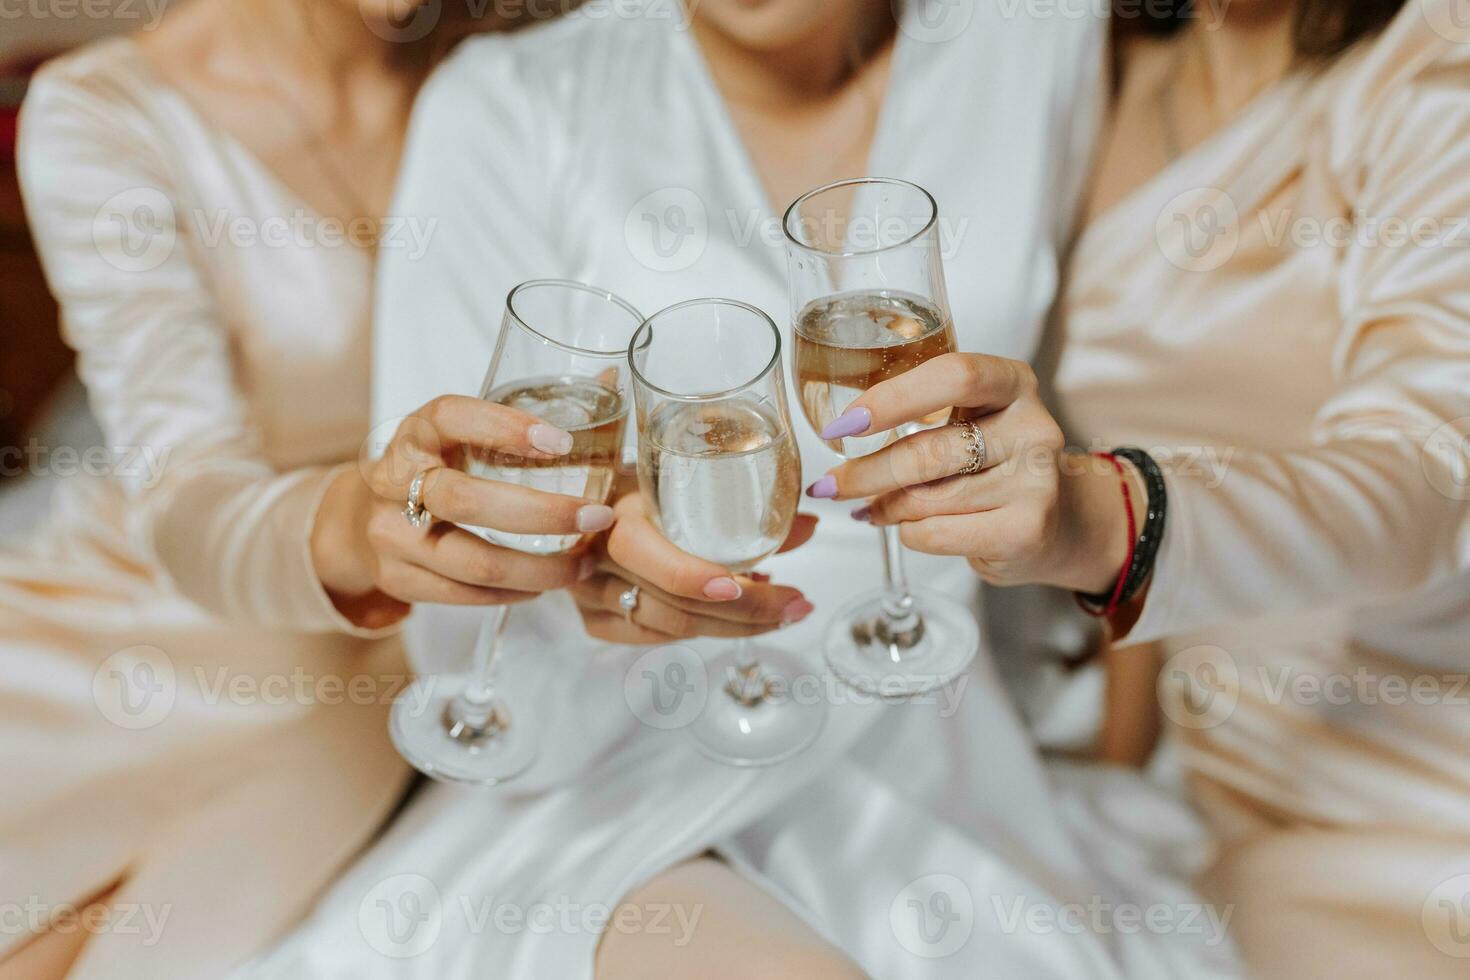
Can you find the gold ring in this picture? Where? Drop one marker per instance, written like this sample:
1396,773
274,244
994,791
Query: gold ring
975,440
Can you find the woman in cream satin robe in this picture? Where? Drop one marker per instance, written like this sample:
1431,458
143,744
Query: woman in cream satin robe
1281,316
195,659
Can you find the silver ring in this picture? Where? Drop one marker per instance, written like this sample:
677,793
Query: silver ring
417,514
975,439
628,602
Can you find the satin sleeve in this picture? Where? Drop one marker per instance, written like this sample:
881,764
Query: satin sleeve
102,196
1375,506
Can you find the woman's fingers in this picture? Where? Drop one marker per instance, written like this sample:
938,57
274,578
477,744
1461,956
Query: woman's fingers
459,555
1014,533
952,495
412,583
977,382
638,546
612,628
429,436
454,496
922,457
664,614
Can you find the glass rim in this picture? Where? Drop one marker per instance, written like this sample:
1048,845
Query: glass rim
647,325
852,182
606,295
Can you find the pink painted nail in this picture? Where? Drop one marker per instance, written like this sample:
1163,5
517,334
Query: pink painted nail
864,514
849,423
796,610
722,589
586,568
594,517
549,439
825,488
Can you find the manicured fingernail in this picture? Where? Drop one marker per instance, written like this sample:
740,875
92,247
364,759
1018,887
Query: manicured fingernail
796,610
594,517
849,423
586,568
550,439
864,514
723,589
761,577
825,488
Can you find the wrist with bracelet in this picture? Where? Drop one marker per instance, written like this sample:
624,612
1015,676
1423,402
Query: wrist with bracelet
1143,543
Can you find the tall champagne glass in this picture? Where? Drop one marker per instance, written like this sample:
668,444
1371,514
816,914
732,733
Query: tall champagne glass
721,478
562,356
868,303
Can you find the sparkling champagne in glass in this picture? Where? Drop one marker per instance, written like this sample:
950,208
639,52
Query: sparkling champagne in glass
868,303
720,475
561,356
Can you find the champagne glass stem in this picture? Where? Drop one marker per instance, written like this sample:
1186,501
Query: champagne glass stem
476,703
898,601
745,684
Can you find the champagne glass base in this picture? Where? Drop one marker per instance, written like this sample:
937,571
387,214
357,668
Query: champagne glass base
868,657
771,716
426,734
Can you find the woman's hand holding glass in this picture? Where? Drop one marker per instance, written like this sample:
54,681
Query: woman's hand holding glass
1032,514
680,596
363,544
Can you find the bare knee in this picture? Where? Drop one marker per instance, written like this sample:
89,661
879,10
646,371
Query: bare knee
820,962
731,930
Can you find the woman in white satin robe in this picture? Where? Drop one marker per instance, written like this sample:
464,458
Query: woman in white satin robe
1332,539
600,148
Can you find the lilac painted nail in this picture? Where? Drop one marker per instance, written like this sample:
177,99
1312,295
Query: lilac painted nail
825,488
864,514
849,423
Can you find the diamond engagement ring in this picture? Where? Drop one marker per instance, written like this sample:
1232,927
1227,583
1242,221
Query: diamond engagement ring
628,602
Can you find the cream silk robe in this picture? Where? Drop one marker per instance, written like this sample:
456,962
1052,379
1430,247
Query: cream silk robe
911,835
1305,362
130,618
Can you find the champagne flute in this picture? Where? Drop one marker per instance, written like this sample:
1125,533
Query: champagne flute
561,356
868,303
721,478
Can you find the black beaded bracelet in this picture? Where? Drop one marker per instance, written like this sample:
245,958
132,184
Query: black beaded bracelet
1146,547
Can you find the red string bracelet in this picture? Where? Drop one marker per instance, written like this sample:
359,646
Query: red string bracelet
1107,611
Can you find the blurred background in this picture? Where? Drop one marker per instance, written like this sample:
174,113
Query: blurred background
39,397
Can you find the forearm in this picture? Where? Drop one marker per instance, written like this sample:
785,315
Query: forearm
240,541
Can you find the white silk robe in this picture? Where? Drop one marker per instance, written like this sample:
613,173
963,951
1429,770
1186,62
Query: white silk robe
597,148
